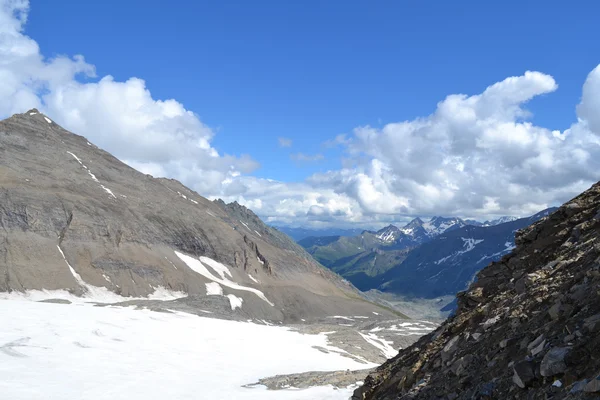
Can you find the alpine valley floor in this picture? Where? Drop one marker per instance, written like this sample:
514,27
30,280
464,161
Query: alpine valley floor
51,350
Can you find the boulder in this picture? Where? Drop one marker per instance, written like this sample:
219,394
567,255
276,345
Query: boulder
553,362
593,386
449,349
524,373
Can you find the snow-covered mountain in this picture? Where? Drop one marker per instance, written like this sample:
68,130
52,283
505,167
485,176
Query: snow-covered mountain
438,225
389,234
448,263
501,220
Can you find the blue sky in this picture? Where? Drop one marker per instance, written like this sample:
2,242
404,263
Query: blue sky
310,70
201,92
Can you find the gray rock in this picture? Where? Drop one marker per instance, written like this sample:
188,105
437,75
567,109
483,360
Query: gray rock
536,342
450,348
553,362
578,386
538,349
63,200
524,373
592,324
593,386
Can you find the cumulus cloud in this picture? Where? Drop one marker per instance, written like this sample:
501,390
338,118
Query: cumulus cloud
474,156
159,137
284,142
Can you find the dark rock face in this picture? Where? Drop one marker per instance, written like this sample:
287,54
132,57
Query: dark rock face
63,201
526,329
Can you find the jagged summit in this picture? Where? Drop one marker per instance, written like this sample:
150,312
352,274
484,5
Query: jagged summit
388,234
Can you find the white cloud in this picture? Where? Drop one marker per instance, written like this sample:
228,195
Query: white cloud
473,156
159,137
284,142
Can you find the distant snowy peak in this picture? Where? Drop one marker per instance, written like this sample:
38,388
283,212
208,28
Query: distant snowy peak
388,234
414,227
439,225
501,220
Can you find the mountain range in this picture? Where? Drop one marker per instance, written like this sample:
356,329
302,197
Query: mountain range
422,259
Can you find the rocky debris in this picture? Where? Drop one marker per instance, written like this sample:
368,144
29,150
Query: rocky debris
527,328
593,386
553,362
524,373
339,379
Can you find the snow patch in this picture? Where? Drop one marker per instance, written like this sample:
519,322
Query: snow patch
48,120
383,345
234,301
198,266
214,289
216,266
92,175
253,279
341,317
243,223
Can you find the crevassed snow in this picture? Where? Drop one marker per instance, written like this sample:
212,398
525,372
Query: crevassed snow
385,346
234,301
198,267
213,288
48,120
62,351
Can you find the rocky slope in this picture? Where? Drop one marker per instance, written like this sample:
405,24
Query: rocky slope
74,218
528,328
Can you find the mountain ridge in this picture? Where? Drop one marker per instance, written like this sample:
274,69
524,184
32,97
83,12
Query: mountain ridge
76,219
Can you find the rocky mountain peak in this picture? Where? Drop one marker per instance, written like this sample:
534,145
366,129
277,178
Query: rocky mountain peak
388,234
